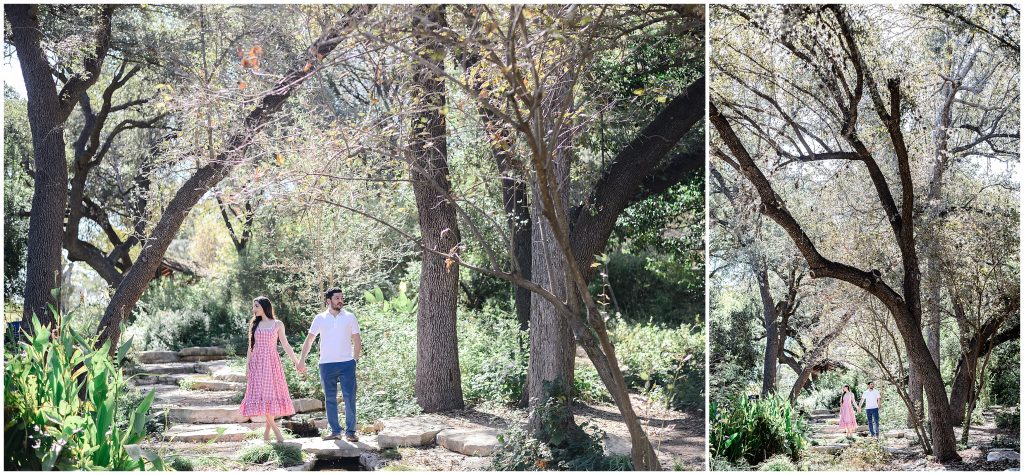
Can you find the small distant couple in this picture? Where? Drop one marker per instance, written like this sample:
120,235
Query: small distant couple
266,392
871,400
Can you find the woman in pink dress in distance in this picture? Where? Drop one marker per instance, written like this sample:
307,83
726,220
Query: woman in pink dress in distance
266,392
847,415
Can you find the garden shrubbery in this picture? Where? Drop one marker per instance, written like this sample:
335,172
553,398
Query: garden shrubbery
754,430
50,425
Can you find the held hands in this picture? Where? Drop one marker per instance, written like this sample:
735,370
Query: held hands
300,367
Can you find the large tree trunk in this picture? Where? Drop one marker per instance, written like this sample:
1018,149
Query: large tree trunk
438,381
48,111
771,332
984,342
135,281
552,349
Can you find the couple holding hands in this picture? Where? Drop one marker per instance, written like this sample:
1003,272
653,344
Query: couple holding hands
266,392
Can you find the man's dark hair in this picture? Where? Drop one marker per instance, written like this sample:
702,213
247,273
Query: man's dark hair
870,383
330,293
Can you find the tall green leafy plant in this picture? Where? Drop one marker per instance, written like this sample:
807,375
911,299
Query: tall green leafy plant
61,396
754,430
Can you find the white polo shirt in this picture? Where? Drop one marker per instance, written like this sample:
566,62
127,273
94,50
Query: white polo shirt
871,397
335,335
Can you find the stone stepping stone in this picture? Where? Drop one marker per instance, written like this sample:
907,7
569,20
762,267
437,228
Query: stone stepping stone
165,379
202,433
307,405
203,351
407,431
831,449
474,442
997,455
153,357
163,368
226,413
203,384
220,371
896,434
618,445
335,449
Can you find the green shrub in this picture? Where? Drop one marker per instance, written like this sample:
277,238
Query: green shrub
492,356
864,454
181,464
754,430
387,368
665,363
280,455
777,463
1008,419
48,426
518,452
588,387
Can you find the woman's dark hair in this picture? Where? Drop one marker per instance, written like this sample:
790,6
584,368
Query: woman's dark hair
846,387
268,310
330,293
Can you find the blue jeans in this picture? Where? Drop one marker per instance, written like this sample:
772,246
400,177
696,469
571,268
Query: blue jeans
330,375
873,421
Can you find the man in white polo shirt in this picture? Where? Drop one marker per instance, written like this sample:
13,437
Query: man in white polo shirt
339,352
871,400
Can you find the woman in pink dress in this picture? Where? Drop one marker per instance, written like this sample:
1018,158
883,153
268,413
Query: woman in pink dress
847,416
266,392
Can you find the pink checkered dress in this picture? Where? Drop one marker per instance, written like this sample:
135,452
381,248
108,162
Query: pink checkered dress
266,392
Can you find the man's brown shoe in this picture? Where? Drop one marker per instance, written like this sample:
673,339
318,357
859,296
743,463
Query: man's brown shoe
352,438
332,437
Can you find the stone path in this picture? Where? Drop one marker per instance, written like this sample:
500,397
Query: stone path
198,394
903,445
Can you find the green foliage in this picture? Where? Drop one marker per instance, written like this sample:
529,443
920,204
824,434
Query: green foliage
777,463
181,464
587,385
175,314
652,288
17,192
48,426
665,363
734,358
400,303
279,455
1008,419
517,451
754,430
387,368
863,454
1004,374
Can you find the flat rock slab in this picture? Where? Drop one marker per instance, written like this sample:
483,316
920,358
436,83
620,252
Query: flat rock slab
307,405
198,358
896,434
821,413
164,368
207,432
208,415
203,351
408,431
195,384
832,449
335,449
151,357
229,375
479,442
999,455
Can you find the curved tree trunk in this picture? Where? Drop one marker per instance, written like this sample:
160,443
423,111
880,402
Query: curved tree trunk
135,281
438,381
